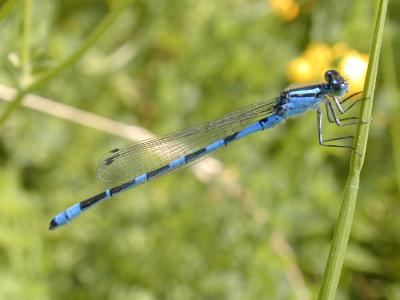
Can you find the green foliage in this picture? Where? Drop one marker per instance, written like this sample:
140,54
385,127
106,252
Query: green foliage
166,65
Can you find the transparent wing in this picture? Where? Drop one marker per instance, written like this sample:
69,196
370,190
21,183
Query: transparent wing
132,160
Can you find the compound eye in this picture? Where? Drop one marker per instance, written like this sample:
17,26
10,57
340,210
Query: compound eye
330,74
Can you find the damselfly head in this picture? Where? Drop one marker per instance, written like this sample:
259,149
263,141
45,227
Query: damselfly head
337,85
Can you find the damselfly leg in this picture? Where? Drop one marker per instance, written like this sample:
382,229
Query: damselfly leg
333,118
326,142
342,109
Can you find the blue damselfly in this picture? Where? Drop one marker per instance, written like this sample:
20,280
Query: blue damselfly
144,161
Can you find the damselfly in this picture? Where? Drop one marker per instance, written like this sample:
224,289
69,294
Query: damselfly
144,161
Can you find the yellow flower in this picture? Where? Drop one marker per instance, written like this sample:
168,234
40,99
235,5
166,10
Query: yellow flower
318,58
354,67
300,70
286,9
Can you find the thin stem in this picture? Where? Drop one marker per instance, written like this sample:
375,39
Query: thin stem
89,42
346,215
26,43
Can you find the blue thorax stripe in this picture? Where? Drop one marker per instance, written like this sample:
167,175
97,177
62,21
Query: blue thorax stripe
305,92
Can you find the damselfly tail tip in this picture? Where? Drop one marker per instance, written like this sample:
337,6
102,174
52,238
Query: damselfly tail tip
53,224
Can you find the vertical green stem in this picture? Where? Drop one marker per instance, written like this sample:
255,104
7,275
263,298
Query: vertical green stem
346,215
26,42
89,42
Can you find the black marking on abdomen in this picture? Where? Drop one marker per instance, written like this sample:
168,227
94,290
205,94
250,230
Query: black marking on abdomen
121,187
92,200
114,150
262,121
158,171
229,139
194,155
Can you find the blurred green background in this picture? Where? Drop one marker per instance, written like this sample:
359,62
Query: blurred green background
258,227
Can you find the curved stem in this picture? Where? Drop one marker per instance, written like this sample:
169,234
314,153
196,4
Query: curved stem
26,43
89,42
346,215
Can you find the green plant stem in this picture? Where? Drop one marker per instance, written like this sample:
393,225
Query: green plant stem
89,42
26,42
346,215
